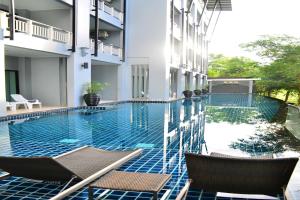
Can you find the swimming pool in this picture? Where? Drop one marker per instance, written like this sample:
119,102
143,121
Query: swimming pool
234,124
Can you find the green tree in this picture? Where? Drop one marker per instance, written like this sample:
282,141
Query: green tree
232,67
281,55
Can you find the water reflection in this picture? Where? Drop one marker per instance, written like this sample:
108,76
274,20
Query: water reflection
221,123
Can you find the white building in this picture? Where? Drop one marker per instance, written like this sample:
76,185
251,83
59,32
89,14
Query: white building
146,49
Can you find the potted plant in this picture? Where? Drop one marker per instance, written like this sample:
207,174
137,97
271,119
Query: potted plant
187,93
91,97
197,92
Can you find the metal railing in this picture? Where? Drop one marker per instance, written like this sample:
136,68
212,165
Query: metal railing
36,29
108,9
107,49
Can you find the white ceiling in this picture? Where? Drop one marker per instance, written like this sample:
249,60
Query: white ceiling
35,5
21,52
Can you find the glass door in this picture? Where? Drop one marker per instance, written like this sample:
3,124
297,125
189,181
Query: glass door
11,83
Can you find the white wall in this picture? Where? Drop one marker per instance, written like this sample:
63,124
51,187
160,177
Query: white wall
107,74
57,18
45,80
77,76
148,38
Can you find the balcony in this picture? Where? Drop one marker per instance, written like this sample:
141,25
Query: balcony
37,29
108,11
27,29
109,53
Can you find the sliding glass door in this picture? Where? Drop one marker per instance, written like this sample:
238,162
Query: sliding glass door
11,83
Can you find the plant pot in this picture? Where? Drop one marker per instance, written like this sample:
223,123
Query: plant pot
197,92
187,93
204,91
91,99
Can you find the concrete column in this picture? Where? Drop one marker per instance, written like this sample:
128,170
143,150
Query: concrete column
77,76
250,87
2,80
180,82
210,87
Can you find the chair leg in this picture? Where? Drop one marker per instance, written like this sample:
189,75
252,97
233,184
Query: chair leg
91,193
155,196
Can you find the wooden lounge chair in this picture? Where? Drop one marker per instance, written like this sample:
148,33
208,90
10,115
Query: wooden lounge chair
85,165
223,173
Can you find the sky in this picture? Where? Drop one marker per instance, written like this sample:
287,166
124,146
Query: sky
251,19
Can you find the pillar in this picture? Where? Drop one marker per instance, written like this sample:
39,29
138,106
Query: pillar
78,76
250,86
210,87
180,82
2,80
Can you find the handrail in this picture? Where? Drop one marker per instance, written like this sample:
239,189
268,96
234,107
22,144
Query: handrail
109,9
40,30
107,48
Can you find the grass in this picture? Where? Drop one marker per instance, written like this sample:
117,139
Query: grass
293,98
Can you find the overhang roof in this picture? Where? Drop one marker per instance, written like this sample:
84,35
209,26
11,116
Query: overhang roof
222,5
233,79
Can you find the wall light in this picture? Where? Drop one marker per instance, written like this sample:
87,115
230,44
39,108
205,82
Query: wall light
85,65
84,51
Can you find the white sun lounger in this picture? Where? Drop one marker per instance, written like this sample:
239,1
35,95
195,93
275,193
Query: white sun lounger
19,99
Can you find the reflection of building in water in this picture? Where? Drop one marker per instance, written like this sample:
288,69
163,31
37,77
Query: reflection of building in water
140,116
236,100
185,133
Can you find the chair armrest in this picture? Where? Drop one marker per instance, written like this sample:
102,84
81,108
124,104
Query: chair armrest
269,156
184,191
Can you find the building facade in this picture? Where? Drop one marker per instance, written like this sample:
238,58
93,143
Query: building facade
50,49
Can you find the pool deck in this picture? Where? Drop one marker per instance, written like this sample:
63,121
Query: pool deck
293,188
292,124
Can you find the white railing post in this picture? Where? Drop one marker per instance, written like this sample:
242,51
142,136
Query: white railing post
101,47
50,33
111,49
29,28
112,11
101,5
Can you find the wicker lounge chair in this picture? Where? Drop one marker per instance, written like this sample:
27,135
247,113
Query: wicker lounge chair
129,181
85,164
223,173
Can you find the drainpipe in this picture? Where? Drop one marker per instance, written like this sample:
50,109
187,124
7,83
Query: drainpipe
73,49
124,30
172,29
182,35
187,37
11,16
96,34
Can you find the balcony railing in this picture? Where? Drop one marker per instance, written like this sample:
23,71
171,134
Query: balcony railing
37,29
108,9
107,49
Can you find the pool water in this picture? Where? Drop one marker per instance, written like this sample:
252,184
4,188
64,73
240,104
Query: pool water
234,124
